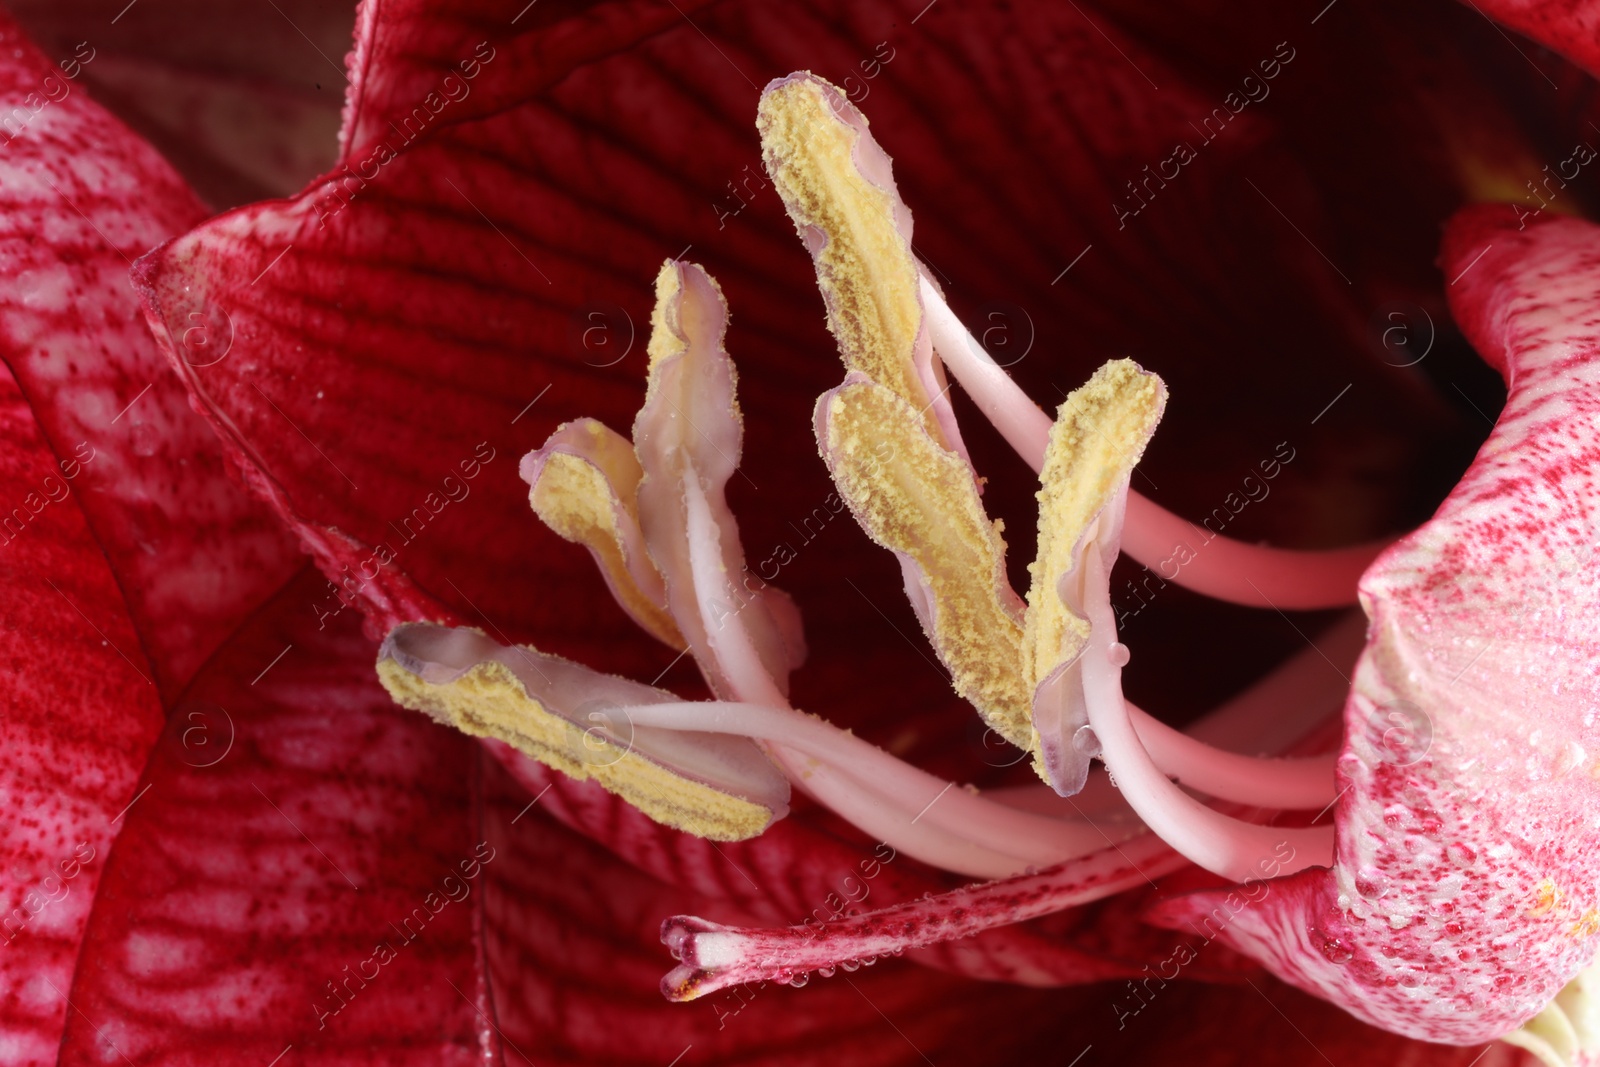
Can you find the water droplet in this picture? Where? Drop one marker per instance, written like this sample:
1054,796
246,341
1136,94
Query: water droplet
851,965
798,981
1337,951
1454,929
1085,741
825,972
1118,654
1572,757
1461,854
1411,979
1506,946
1371,882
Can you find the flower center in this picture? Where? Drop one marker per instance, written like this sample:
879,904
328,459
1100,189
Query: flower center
1044,672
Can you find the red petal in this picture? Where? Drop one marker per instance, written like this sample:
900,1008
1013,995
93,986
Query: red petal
1464,896
1570,27
80,714
291,815
81,197
243,101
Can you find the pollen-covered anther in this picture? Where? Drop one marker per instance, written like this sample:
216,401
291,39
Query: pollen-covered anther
584,484
918,500
838,186
689,436
574,719
1100,432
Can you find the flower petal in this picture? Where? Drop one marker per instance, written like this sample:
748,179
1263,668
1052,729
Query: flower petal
292,822
574,957
1464,895
244,102
1570,27
82,197
80,714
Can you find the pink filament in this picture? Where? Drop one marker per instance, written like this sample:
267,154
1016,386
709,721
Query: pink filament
914,797
1226,846
1216,566
1269,783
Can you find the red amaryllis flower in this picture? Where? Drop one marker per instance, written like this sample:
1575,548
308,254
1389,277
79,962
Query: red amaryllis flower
230,845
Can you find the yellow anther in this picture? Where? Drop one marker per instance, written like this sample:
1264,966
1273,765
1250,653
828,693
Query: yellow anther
865,266
489,700
585,489
915,498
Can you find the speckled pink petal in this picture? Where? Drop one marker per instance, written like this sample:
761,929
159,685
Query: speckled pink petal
78,713
80,198
1466,888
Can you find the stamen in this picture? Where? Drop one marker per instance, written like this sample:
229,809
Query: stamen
887,818
715,957
690,429
1211,564
838,187
1235,850
731,650
567,716
1100,432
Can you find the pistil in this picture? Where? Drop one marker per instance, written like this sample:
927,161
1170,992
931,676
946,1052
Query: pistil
714,956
